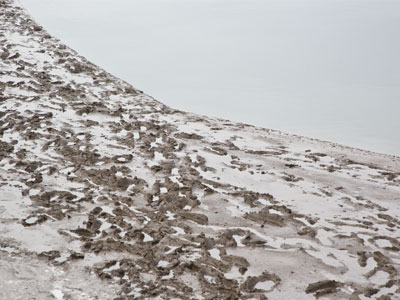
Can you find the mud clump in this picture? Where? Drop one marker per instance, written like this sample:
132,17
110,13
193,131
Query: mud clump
34,220
250,284
264,217
291,178
50,255
87,158
198,218
5,149
83,232
188,136
122,158
266,153
362,258
107,177
217,150
309,231
323,287
29,166
390,176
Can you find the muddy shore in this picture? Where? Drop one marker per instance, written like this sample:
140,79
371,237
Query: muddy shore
106,193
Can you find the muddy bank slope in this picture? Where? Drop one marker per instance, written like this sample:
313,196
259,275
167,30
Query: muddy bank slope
106,193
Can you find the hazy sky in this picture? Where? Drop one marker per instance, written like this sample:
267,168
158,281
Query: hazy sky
323,68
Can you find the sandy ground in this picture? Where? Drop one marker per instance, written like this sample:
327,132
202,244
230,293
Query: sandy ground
106,193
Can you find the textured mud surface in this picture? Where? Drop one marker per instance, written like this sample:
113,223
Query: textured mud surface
106,193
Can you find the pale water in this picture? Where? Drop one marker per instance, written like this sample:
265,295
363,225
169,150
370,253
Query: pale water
328,69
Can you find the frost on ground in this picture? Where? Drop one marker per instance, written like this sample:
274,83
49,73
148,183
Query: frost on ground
106,193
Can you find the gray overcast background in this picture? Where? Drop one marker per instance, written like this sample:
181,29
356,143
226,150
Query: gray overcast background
328,69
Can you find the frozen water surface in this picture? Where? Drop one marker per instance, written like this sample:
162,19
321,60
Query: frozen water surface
322,68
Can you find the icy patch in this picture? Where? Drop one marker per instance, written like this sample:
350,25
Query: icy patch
170,215
34,192
274,211
265,285
234,273
57,294
63,258
158,156
169,276
172,249
107,209
303,220
31,220
147,238
162,264
112,268
215,254
178,230
325,257
104,226
371,264
322,236
7,249
210,279
380,278
191,257
238,240
382,243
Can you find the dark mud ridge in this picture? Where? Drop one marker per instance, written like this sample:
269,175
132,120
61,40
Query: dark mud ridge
106,193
